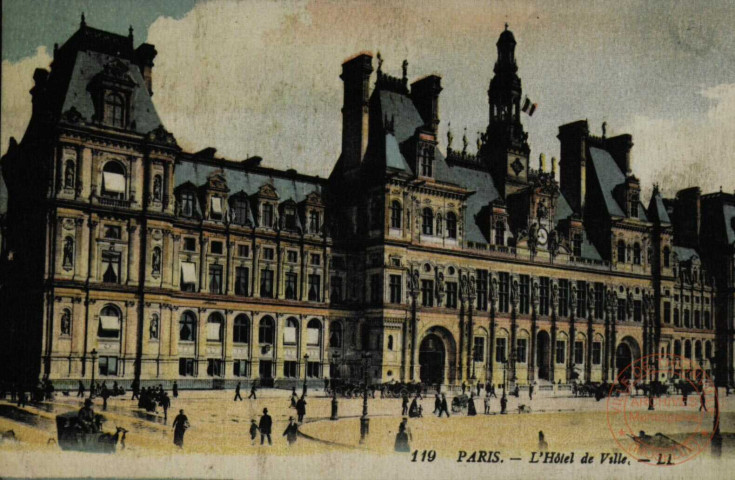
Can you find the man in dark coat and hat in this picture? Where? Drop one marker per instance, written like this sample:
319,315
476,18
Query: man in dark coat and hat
301,408
444,407
291,431
265,427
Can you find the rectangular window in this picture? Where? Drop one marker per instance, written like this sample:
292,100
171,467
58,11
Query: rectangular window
110,267
216,247
563,298
482,286
577,245
312,369
243,250
336,289
240,368
315,259
427,293
667,312
239,211
267,215
376,290
107,365
242,281
187,204
599,300
268,253
188,277
521,350
290,219
637,311
596,353
187,367
622,314
113,232
500,355
215,279
216,211
543,296
478,349
451,295
395,289
314,288
289,369
578,353
581,298
215,367
525,295
560,351
266,283
314,223
190,244
504,291
292,256
291,285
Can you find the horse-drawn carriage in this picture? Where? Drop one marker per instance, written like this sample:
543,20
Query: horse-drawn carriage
459,403
344,388
73,435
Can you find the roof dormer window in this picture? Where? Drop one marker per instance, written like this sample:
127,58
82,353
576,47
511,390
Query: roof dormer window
216,210
114,110
426,159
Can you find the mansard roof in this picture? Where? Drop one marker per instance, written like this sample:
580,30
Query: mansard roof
609,177
729,217
479,203
657,209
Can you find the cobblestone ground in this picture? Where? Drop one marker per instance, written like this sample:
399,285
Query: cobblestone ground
219,426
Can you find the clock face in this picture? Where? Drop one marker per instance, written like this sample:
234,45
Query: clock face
542,236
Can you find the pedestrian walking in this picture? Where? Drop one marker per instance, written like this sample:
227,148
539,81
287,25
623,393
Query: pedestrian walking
80,389
503,404
437,404
294,398
492,391
237,393
252,395
684,395
176,389
135,387
478,389
402,438
413,410
404,404
702,401
181,423
265,427
165,404
444,407
301,408
471,411
542,445
253,431
464,387
291,431
487,403
530,392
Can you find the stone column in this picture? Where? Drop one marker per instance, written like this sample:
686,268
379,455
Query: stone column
133,249
78,249
552,346
203,263
200,352
175,265
166,259
493,307
227,342
534,331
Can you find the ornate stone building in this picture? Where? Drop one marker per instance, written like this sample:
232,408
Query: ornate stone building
127,257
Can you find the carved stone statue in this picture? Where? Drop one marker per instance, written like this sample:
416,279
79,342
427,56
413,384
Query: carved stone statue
535,293
494,289
472,287
532,236
591,300
554,296
542,212
450,136
68,251
573,298
464,142
157,188
629,304
553,242
156,260
404,67
440,286
69,175
464,288
66,323
514,293
154,327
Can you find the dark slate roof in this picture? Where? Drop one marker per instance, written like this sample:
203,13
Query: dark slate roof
657,209
248,182
480,182
588,249
87,65
610,176
728,212
563,210
3,194
685,253
394,159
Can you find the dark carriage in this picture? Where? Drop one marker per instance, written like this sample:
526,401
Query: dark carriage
72,436
459,403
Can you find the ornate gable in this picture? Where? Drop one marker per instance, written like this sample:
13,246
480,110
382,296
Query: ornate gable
268,191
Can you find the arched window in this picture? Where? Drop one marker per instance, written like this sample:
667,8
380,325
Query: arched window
667,257
451,225
188,327
114,110
215,322
396,213
707,320
621,251
113,180
266,331
291,332
698,350
69,174
687,349
241,329
335,335
636,254
499,232
390,342
110,322
314,332
677,347
428,222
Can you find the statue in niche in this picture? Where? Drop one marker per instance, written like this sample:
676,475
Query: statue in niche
157,188
68,251
154,327
69,175
66,323
156,260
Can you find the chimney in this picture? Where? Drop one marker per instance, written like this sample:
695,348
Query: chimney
356,77
619,147
573,163
144,56
38,92
687,217
425,95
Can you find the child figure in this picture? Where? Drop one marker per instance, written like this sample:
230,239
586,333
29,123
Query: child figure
253,431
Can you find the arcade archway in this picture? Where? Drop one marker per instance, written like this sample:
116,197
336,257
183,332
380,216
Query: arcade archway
543,355
432,358
627,351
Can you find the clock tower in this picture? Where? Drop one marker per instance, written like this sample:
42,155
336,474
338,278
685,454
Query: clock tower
505,148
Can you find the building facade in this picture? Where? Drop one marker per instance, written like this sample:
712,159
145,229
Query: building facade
128,258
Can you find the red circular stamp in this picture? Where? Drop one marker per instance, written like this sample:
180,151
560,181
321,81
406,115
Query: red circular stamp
661,410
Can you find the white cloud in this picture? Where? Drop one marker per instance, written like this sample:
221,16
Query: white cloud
17,80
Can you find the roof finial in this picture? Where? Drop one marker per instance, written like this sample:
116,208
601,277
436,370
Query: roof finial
604,129
130,32
450,137
553,166
464,141
541,162
405,70
380,62
83,23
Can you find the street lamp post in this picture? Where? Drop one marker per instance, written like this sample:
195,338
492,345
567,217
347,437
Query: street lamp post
364,420
93,353
306,366
651,364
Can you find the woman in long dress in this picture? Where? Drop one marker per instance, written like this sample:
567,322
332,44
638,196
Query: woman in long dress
181,423
402,439
471,412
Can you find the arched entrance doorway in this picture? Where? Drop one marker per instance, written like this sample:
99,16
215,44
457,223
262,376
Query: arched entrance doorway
627,351
543,355
432,358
